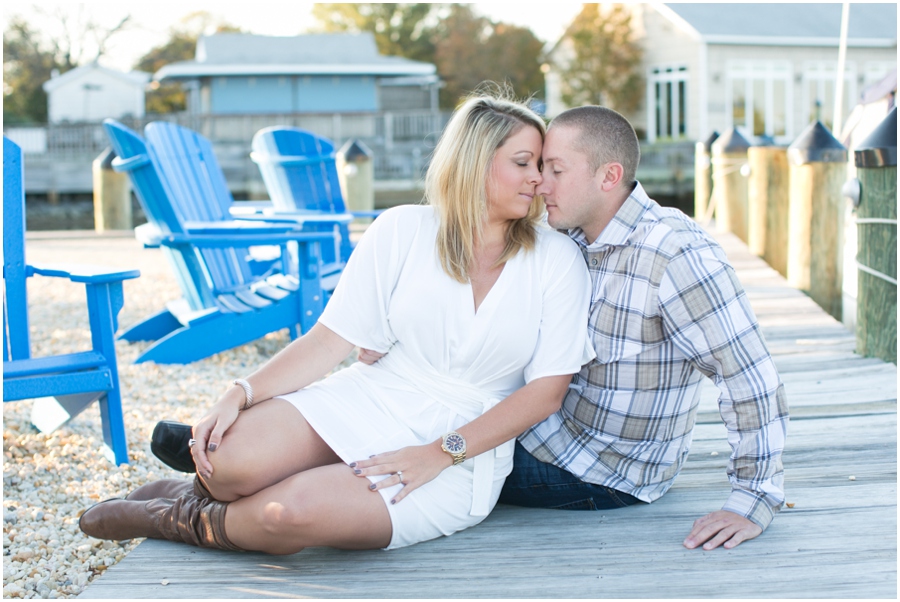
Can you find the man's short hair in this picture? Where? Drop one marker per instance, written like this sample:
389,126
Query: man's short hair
605,137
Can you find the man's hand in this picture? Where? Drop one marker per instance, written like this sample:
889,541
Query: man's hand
721,528
367,356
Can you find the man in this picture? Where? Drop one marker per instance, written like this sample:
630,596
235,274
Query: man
666,310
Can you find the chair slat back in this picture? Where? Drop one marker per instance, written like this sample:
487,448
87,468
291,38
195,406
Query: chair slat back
16,345
153,194
186,162
313,184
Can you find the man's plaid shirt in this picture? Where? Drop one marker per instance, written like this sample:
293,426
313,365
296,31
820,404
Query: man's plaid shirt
666,310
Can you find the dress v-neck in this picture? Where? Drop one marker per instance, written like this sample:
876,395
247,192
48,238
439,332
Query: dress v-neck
490,294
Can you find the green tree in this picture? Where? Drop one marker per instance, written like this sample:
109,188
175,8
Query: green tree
605,63
26,66
31,56
181,46
400,29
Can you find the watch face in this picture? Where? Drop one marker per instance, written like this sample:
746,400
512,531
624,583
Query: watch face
454,443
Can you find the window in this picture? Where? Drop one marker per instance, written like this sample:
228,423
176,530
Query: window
759,97
668,104
819,83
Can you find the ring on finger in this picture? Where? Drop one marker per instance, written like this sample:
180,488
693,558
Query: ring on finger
400,474
192,442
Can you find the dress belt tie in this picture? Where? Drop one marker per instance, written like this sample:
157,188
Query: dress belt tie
469,402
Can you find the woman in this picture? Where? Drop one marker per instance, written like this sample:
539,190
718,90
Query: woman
483,312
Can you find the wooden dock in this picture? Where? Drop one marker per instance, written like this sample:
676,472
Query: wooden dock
837,538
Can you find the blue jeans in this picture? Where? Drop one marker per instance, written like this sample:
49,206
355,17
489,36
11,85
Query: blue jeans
536,484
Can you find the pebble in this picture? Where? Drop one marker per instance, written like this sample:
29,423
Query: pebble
49,479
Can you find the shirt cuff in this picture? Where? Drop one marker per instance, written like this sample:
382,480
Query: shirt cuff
751,506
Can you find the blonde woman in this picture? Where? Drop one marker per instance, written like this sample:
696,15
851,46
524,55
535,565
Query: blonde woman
479,305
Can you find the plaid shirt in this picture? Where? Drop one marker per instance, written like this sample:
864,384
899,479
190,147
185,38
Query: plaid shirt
666,310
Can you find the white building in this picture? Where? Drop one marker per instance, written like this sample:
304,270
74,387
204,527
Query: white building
761,67
93,93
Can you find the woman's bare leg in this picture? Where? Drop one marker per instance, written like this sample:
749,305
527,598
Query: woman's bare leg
324,506
269,442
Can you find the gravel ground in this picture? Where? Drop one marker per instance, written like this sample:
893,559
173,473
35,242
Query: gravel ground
50,479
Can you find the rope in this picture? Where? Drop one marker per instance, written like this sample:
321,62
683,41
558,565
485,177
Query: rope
876,220
731,166
876,273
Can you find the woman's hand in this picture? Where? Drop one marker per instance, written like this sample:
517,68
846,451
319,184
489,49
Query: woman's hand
207,433
417,464
369,357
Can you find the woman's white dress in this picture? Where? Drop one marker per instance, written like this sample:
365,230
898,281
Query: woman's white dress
446,364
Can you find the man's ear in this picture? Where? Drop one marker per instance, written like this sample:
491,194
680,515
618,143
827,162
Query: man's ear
610,175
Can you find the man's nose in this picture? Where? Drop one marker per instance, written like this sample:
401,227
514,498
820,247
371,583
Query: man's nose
543,187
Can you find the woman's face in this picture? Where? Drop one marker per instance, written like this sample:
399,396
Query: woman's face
514,175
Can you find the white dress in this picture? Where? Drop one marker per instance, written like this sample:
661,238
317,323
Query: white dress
446,364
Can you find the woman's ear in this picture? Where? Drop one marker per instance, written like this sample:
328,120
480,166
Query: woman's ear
612,174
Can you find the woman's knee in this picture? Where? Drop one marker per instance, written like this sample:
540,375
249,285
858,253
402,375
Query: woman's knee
287,526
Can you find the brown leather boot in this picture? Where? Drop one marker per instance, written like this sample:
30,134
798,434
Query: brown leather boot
166,488
188,519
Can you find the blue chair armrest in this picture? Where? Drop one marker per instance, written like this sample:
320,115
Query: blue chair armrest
249,207
226,240
238,227
289,160
85,273
372,214
299,217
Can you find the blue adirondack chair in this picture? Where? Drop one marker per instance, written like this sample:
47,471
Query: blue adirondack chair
299,171
224,303
75,380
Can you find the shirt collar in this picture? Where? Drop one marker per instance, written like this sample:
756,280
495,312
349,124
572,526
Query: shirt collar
626,219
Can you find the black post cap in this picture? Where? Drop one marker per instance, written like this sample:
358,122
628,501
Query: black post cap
879,149
730,143
707,144
106,158
355,151
815,144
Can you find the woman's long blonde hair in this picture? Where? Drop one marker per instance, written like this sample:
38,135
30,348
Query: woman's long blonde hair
457,178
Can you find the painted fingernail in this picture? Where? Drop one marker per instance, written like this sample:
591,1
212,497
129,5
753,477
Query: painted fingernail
372,486
372,456
212,447
352,465
357,471
393,502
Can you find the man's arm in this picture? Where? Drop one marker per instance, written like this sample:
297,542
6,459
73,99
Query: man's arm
709,319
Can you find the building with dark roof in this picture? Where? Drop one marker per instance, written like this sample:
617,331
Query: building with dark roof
767,68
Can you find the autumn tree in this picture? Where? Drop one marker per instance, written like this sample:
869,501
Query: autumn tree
604,67
30,57
400,29
181,46
465,47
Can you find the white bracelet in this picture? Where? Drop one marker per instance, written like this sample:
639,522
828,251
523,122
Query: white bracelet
248,391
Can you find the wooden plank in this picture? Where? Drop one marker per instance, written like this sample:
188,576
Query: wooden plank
839,540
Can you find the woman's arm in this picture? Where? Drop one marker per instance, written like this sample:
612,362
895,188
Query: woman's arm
298,365
507,420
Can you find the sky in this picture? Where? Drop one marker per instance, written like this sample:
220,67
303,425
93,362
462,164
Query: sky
151,20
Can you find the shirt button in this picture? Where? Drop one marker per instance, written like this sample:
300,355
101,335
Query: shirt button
594,261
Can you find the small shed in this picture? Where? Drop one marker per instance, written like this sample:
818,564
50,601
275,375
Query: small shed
93,92
236,73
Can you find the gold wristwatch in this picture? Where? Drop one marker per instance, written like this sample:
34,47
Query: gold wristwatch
454,444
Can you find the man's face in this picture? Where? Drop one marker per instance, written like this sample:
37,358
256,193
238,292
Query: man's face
571,190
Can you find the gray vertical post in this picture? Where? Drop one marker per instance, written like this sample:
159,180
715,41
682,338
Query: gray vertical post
703,175
817,170
112,195
358,175
729,156
876,218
